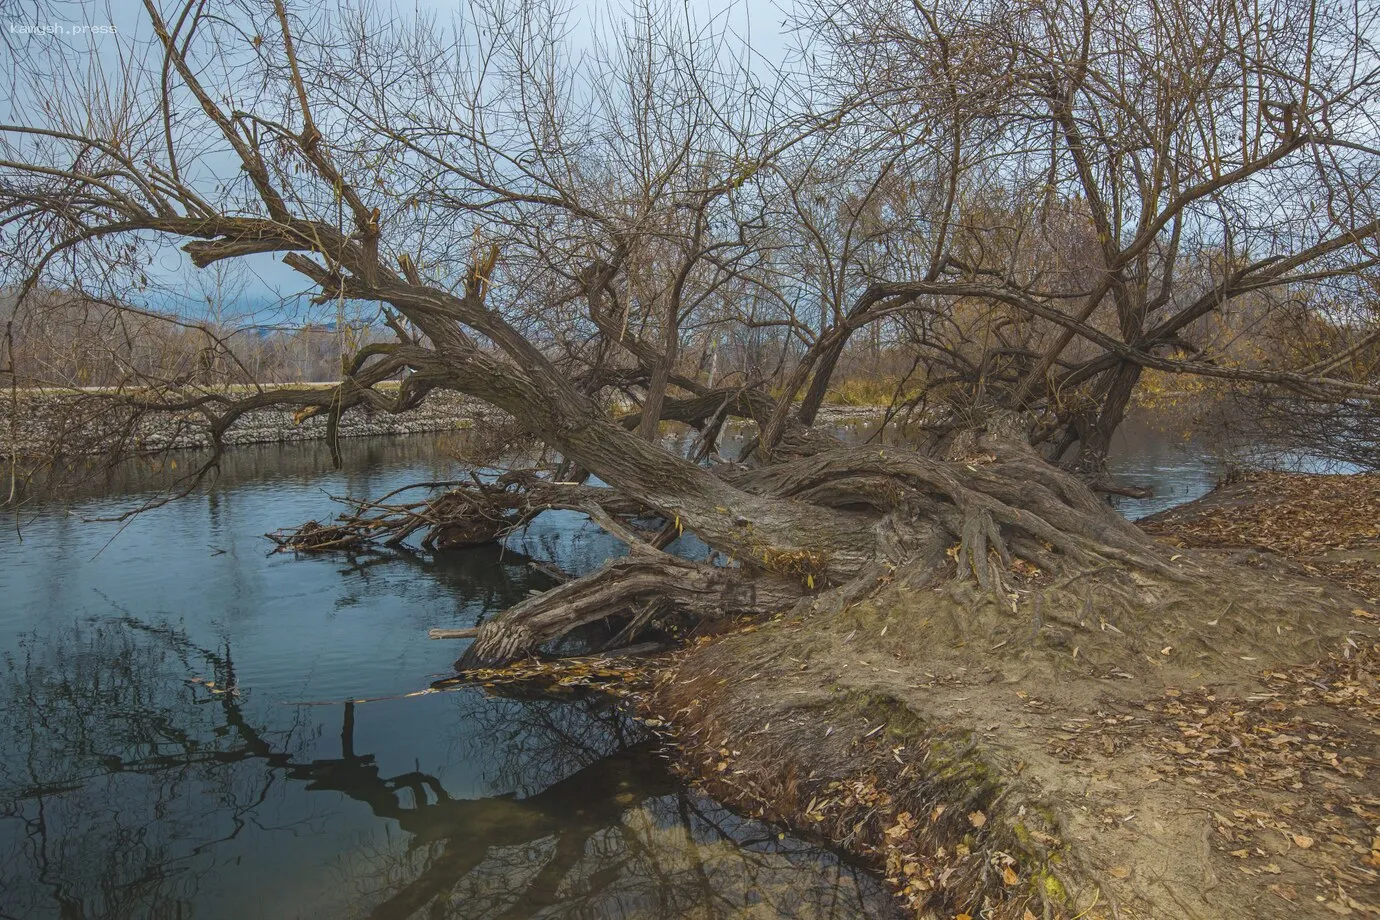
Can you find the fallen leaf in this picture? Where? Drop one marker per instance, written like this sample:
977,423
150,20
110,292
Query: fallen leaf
1120,872
1008,876
1302,841
978,819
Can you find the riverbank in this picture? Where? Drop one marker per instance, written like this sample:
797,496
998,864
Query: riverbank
1236,783
1328,525
46,423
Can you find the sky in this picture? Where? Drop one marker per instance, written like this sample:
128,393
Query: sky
104,30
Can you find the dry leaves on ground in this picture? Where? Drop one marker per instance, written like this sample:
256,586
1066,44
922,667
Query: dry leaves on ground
1317,520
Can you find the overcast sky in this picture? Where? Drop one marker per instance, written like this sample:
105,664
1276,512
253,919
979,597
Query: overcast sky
82,28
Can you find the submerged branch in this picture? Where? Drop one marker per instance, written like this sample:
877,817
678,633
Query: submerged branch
466,514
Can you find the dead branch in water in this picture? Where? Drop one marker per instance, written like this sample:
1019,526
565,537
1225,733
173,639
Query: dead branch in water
467,513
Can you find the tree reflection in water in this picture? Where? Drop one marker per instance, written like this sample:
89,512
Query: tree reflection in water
117,775
125,787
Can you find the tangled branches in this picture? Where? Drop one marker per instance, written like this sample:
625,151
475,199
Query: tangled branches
467,513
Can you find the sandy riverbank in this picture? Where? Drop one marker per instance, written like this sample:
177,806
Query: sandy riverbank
1231,785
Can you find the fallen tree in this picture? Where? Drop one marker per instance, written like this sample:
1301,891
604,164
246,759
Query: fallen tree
997,529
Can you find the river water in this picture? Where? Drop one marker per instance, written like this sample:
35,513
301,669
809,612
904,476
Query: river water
176,741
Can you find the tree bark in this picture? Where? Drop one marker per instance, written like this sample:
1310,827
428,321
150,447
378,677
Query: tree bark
638,588
1097,440
819,383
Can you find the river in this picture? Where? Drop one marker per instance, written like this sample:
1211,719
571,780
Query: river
177,742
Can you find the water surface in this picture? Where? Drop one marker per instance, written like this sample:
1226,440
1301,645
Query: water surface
176,741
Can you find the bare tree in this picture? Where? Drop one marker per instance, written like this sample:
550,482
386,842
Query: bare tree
541,227
1119,171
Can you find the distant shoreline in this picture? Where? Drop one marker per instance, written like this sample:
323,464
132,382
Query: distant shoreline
53,421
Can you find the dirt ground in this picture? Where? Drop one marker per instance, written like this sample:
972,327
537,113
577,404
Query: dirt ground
988,783
1328,525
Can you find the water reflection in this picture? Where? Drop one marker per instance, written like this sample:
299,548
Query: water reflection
618,838
482,578
303,462
139,773
117,775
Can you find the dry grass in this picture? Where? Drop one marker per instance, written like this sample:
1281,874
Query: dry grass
880,391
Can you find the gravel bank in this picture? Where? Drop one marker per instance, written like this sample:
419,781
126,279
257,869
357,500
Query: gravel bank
39,422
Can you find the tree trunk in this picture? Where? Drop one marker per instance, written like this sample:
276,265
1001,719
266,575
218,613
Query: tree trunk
661,373
840,520
819,384
650,417
636,589
996,524
1097,440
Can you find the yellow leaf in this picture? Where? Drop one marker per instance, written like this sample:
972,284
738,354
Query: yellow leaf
977,819
1009,876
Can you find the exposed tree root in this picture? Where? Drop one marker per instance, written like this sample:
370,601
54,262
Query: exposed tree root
1031,554
635,590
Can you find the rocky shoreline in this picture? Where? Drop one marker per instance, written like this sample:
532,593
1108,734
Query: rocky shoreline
49,423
